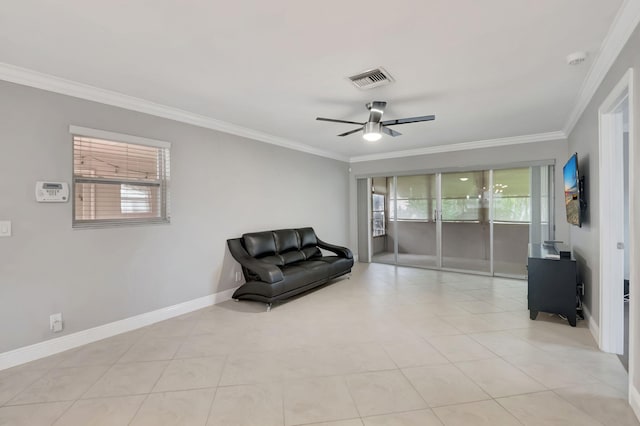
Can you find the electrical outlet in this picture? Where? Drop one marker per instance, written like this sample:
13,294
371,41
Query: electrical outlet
238,276
55,322
5,228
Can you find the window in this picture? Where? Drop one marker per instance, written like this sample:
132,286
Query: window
464,196
135,199
512,195
118,179
415,197
377,210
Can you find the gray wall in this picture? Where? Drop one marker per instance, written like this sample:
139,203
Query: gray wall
221,187
363,220
476,159
584,140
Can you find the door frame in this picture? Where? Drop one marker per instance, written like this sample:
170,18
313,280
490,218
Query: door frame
611,221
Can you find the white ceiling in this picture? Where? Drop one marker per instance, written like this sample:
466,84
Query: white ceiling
487,69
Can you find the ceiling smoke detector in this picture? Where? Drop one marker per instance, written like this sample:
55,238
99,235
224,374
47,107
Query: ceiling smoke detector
576,58
371,78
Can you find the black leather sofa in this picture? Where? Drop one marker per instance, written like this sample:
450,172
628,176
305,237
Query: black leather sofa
282,263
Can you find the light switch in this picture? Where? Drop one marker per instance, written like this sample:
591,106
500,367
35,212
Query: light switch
5,228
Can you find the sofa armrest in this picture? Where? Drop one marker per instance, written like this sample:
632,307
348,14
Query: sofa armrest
267,272
340,251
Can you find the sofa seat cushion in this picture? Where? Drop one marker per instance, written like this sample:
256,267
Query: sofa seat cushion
337,265
315,264
298,275
311,252
274,259
292,256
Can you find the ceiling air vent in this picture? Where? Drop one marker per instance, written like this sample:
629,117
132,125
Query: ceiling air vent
372,78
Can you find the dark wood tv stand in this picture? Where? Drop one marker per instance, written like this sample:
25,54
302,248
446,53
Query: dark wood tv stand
552,283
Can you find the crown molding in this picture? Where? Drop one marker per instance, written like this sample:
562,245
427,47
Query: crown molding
27,77
488,143
623,26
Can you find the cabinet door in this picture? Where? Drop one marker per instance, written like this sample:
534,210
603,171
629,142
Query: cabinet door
552,286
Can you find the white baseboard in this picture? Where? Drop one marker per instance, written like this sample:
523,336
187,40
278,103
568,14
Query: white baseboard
593,327
70,341
634,400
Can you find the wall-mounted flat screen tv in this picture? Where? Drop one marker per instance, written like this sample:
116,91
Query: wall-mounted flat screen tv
572,195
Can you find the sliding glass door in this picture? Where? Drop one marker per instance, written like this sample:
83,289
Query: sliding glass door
465,221
478,220
412,215
511,220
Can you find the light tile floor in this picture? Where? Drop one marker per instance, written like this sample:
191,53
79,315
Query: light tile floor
389,346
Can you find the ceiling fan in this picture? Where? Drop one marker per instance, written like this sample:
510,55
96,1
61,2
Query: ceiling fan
374,128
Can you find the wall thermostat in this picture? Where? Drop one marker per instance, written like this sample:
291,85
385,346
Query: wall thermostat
52,192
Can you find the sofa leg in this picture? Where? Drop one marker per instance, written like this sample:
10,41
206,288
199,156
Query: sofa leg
268,307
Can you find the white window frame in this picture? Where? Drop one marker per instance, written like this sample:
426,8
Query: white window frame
384,214
164,217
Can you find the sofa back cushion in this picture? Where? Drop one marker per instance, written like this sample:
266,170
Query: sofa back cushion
282,247
307,237
260,244
286,240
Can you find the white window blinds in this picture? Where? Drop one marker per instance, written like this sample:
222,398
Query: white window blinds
118,183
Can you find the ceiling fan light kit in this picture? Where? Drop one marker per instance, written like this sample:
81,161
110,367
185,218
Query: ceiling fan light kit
372,132
373,129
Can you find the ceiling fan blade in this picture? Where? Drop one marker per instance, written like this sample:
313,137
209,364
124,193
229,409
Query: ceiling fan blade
351,132
338,121
390,132
376,109
409,120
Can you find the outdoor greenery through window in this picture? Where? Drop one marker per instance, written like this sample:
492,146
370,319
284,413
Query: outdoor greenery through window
118,182
415,197
464,196
512,195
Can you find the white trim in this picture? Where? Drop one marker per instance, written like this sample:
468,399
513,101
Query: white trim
117,137
634,271
370,220
623,26
70,341
26,77
610,159
488,143
634,399
593,327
